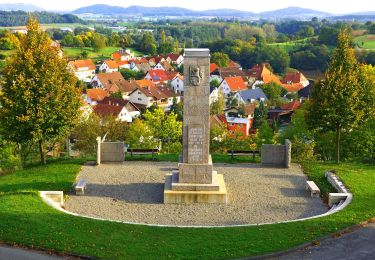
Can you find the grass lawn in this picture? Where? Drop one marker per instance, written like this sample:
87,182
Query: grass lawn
291,45
52,25
26,220
105,53
365,41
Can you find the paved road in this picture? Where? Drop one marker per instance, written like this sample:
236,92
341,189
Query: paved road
359,244
11,253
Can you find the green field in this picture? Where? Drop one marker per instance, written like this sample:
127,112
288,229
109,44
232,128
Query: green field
26,221
291,45
365,41
53,25
105,53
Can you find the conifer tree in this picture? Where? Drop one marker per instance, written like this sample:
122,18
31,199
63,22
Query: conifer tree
40,102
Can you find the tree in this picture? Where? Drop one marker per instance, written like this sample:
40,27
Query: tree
260,114
39,102
215,83
339,102
98,41
148,44
140,135
217,107
265,135
274,93
221,59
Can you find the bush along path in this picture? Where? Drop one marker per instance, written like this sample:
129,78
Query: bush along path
25,220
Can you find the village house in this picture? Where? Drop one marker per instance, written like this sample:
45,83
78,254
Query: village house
250,96
110,82
57,46
164,65
83,69
161,95
244,110
131,108
232,85
221,73
93,96
109,66
122,55
119,112
177,84
214,94
237,126
176,59
294,78
260,75
143,67
284,113
157,76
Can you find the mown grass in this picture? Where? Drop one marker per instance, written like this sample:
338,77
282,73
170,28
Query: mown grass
365,41
27,221
105,53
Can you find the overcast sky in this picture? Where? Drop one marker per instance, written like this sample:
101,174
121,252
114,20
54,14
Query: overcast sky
332,6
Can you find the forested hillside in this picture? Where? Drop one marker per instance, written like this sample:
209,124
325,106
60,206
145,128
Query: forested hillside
19,18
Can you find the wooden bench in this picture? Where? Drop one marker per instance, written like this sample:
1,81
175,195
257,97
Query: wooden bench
153,152
315,191
80,187
233,153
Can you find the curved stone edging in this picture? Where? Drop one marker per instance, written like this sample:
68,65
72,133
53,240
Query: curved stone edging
333,210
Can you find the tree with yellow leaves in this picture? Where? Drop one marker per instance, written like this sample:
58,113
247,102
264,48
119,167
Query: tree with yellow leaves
40,102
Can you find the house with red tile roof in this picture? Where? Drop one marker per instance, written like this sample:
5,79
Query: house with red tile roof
164,65
119,112
83,69
157,76
285,112
93,96
109,66
262,75
161,95
221,73
131,108
122,55
177,84
213,67
175,58
232,84
110,82
294,78
233,64
292,87
237,126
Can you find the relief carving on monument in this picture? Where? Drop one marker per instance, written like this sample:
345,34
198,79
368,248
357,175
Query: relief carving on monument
195,75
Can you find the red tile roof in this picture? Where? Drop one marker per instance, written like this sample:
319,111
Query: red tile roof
294,77
173,56
158,75
213,67
261,72
112,82
291,106
79,64
236,83
295,87
107,110
145,83
97,94
112,64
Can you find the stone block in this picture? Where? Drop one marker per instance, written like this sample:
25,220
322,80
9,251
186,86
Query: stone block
334,198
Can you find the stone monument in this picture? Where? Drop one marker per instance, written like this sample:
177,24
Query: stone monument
195,180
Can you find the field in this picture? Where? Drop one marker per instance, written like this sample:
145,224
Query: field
291,45
105,53
53,25
365,41
26,221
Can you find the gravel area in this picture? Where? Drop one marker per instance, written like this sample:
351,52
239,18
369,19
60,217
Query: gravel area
133,192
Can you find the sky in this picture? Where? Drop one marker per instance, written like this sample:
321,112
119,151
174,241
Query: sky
331,6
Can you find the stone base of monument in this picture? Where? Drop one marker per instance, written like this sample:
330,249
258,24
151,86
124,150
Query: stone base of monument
175,192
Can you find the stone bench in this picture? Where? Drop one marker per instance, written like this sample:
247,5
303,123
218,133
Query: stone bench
80,187
315,191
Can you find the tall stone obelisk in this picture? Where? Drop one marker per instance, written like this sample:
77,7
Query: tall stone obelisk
195,180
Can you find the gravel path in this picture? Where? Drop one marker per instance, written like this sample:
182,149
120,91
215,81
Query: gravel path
133,192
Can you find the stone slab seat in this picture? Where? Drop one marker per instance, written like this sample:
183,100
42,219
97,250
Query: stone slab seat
315,191
80,187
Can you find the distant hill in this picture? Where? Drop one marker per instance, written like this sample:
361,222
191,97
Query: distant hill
20,7
156,11
294,12
19,18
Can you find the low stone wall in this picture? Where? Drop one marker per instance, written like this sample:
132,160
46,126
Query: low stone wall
110,151
277,155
